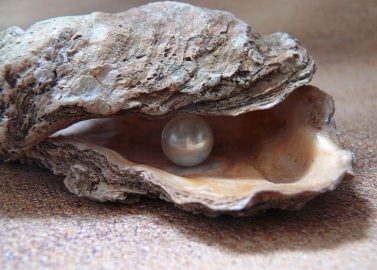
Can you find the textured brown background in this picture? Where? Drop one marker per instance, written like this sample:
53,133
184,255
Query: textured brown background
43,226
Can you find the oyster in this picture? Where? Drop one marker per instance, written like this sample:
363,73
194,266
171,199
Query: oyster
275,143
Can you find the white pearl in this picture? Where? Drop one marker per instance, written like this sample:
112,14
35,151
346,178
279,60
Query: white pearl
187,140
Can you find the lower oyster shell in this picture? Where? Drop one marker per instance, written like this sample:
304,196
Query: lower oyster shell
275,158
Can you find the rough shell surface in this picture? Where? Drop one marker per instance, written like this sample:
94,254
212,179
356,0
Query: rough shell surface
156,59
135,67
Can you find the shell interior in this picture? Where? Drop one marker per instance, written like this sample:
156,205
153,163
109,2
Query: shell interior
282,150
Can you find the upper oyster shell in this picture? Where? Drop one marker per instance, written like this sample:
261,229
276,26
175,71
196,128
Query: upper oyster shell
157,60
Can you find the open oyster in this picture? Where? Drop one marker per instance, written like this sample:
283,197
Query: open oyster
131,72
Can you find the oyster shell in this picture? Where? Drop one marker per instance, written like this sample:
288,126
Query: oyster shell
138,68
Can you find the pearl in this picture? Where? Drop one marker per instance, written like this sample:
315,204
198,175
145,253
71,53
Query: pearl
187,140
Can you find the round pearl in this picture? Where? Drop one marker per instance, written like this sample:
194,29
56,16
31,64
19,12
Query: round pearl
187,140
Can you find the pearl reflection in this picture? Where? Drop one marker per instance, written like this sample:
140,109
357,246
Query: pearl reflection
187,140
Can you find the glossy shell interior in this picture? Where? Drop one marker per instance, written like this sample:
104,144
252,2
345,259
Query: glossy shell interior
288,149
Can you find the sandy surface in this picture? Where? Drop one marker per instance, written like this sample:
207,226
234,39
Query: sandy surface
42,226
